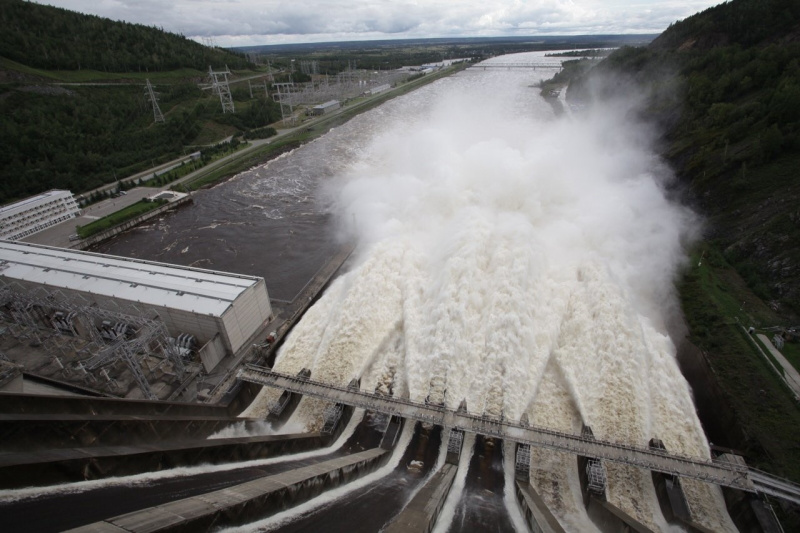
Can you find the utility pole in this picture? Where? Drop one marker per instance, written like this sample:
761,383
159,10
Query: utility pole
157,115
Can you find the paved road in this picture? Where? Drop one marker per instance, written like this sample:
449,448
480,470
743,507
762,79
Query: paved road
790,374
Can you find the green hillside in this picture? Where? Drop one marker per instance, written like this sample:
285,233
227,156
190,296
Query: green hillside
52,38
75,114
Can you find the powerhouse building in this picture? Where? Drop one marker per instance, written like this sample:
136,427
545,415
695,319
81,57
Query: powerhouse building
36,213
327,107
222,310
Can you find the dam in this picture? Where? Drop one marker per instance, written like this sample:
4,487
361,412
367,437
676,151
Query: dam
493,358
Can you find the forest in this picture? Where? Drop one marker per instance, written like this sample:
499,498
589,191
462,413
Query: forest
52,38
81,137
59,132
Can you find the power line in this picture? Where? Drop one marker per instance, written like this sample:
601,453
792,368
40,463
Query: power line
151,95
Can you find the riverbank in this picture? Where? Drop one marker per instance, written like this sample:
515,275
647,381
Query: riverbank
174,202
291,138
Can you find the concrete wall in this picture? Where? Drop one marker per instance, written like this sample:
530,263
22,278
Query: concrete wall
245,503
247,314
243,318
69,465
422,511
212,353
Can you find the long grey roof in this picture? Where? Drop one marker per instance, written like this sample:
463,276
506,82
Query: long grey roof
177,287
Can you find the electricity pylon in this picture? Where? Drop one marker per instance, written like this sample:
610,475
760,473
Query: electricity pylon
151,95
219,84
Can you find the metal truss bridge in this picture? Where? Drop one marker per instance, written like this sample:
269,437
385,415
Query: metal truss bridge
721,472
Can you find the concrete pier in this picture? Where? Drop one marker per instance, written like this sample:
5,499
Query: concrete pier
422,511
537,515
47,467
34,404
244,503
594,486
87,243
27,432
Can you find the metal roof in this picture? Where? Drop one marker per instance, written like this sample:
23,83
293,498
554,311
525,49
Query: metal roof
34,200
190,289
327,104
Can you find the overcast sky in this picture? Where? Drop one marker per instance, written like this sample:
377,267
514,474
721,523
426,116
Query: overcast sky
253,22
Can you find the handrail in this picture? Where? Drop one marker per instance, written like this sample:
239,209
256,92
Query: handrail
719,471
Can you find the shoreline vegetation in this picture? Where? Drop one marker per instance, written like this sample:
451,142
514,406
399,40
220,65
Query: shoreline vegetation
307,132
248,158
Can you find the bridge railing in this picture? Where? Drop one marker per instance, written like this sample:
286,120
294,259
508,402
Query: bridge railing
719,471
498,426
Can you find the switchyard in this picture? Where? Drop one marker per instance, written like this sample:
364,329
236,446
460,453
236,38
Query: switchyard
109,321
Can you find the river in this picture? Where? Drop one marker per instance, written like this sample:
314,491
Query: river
516,260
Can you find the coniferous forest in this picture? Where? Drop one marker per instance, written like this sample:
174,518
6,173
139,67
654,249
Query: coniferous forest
724,88
75,113
51,38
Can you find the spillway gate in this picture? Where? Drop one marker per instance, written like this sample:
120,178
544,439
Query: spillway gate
718,471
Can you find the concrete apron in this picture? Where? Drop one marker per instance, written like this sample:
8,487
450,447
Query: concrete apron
247,502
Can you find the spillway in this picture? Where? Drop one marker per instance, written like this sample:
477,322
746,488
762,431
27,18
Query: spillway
509,260
522,263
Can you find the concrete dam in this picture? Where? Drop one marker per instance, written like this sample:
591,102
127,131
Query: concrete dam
493,356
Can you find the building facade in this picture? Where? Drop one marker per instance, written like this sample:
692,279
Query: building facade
223,311
327,107
26,217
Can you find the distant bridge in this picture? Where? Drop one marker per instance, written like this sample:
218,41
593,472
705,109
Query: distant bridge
510,66
720,472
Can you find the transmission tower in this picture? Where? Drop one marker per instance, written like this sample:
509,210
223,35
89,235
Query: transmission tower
151,95
219,84
309,67
284,98
269,72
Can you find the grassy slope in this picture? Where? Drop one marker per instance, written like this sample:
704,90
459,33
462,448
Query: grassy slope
717,304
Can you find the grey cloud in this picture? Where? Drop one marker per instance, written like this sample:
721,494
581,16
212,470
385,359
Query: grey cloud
242,22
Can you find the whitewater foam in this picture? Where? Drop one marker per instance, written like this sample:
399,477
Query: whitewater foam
503,252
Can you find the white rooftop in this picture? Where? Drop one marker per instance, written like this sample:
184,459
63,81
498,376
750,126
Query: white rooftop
177,287
27,202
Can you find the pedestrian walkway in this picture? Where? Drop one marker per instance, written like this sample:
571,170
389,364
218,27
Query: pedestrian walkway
721,471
